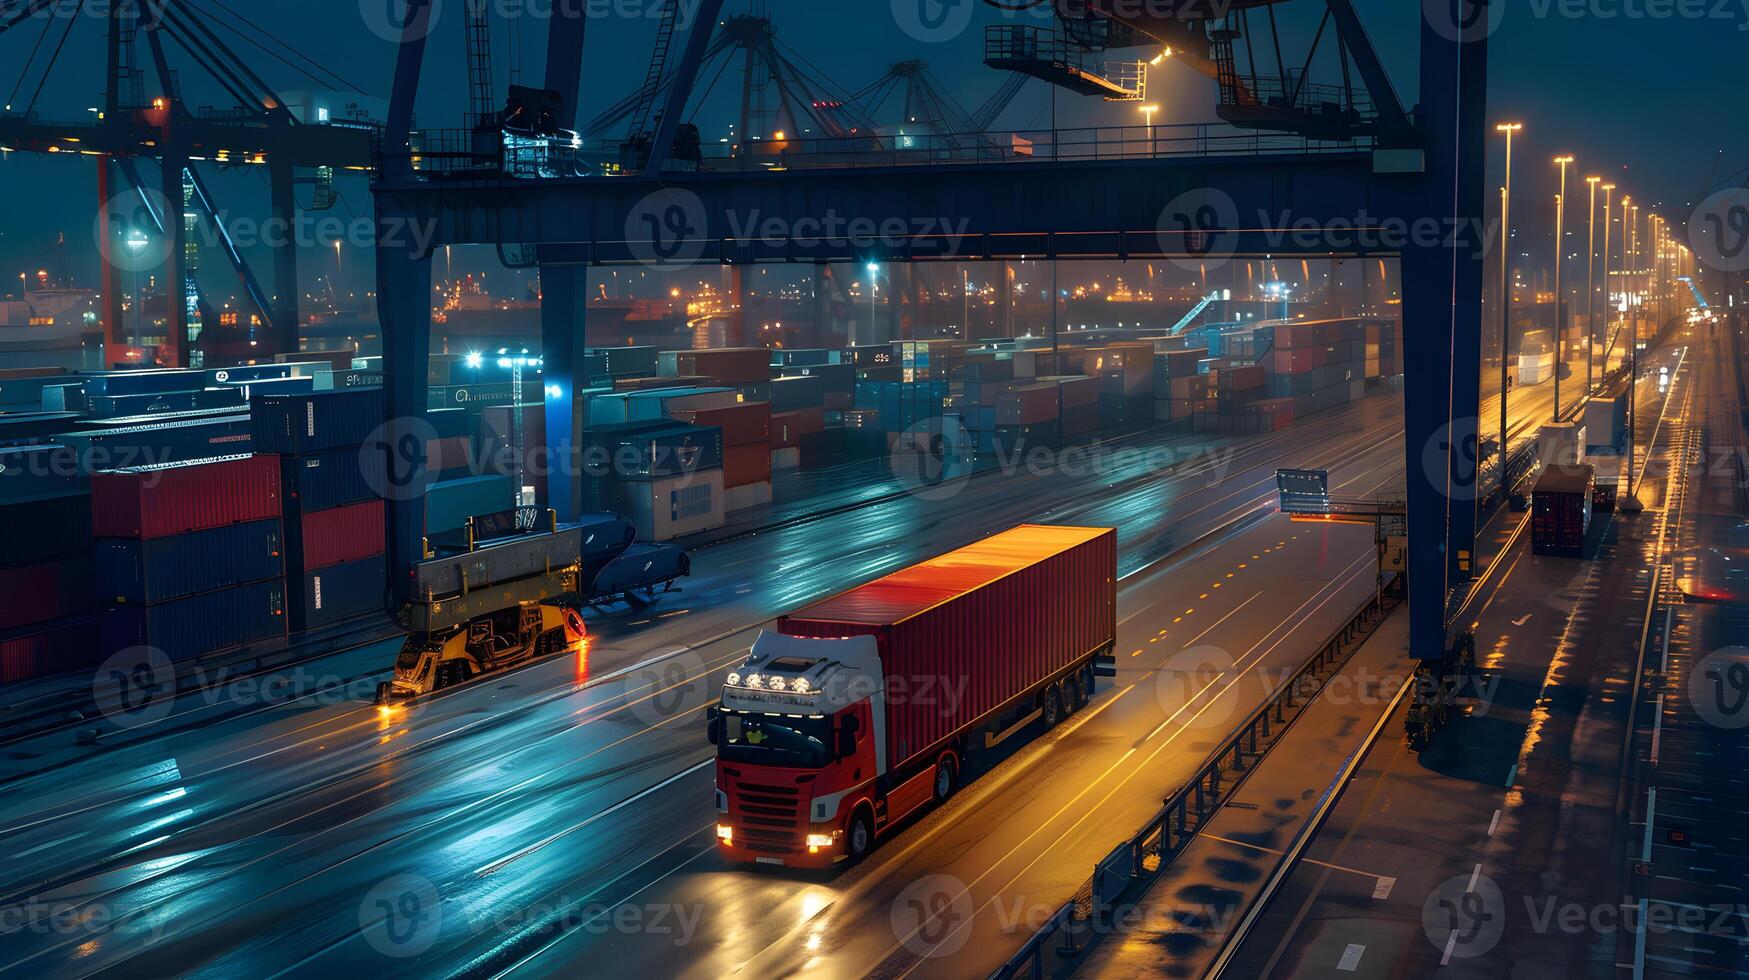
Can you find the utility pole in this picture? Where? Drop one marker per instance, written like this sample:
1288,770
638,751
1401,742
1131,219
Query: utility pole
1560,253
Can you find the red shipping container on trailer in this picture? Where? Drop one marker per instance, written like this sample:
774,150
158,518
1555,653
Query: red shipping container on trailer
330,537
158,501
999,616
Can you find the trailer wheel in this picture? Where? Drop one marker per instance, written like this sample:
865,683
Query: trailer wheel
860,840
383,692
1087,688
1053,706
450,673
946,776
1077,691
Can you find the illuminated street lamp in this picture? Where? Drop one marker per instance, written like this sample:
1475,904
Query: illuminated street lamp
1505,285
1591,288
1560,253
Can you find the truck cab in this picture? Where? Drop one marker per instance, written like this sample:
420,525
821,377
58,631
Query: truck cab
799,736
435,659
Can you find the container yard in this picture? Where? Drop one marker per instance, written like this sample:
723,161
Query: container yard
165,488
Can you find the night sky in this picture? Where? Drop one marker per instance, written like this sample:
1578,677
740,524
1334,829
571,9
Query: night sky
1651,99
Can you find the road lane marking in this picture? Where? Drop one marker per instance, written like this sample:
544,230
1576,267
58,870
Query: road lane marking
518,855
1350,958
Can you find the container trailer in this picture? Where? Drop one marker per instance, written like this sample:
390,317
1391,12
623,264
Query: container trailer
502,602
1561,508
857,711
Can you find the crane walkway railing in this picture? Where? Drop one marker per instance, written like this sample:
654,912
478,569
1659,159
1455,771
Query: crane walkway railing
453,153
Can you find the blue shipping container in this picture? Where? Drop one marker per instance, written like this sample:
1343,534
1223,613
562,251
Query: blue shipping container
26,394
161,569
34,472
110,406
339,592
38,530
141,382
318,420
199,625
449,504
321,481
170,441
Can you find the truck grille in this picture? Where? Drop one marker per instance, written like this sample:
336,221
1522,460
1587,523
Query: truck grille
771,817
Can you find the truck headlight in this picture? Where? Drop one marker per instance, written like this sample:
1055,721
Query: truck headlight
754,680
821,840
725,833
777,684
734,678
800,686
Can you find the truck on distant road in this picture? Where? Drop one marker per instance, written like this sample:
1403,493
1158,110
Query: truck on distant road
855,712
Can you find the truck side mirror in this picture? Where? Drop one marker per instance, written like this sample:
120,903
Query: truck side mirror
846,743
714,724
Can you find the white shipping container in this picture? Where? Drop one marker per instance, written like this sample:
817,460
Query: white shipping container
1561,443
665,509
745,496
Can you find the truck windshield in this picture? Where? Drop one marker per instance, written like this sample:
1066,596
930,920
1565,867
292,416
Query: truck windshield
795,742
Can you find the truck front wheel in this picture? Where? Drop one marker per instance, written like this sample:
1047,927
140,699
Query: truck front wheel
860,840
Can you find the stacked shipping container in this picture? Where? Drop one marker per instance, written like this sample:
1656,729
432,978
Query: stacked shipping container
189,556
333,509
46,625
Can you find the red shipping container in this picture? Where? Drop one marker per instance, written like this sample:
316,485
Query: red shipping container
1078,392
747,424
1032,404
726,366
999,616
746,464
657,384
158,501
787,428
52,590
343,534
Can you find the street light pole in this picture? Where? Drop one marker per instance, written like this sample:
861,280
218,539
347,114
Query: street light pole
1505,287
1560,253
1632,504
1591,290
1608,257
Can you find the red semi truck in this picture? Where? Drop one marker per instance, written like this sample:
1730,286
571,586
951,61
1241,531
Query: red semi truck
857,711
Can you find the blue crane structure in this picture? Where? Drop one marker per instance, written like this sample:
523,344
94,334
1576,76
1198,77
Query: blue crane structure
1241,194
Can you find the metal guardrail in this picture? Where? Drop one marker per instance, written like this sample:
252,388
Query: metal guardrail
1139,860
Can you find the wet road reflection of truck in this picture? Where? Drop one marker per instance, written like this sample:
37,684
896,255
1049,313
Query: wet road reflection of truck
857,711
